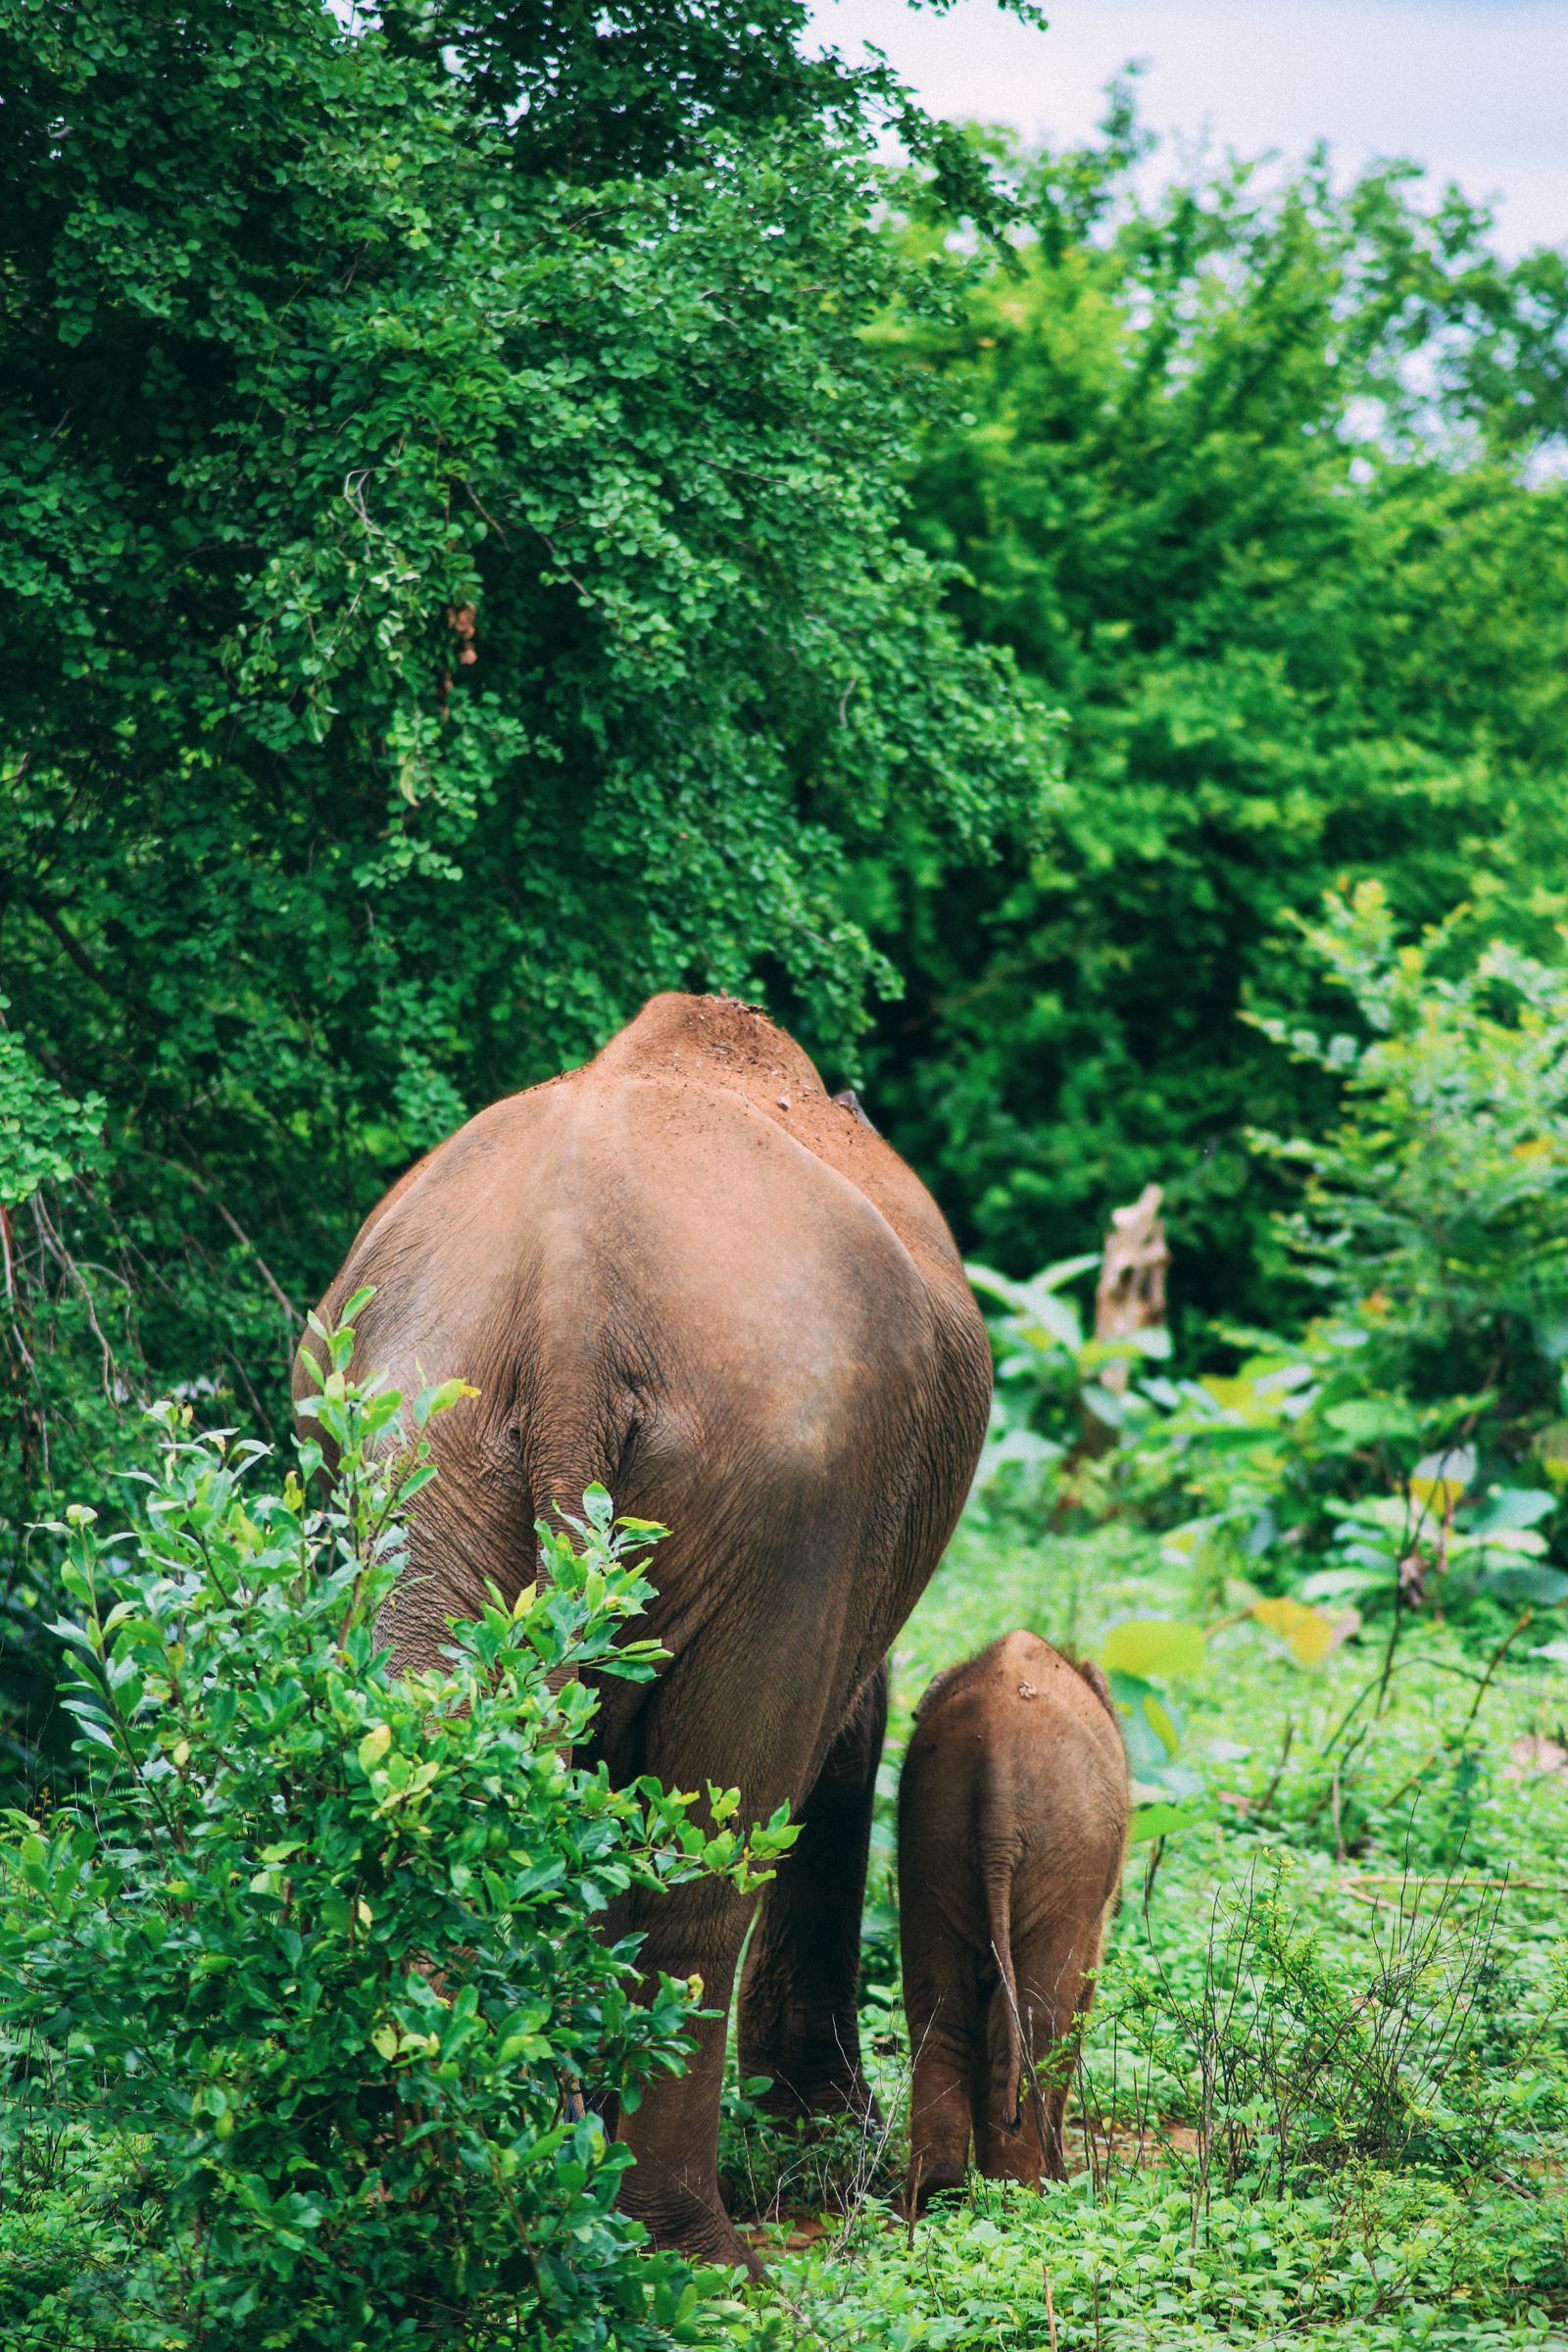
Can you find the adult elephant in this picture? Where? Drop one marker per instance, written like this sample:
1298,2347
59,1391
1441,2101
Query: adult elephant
687,1272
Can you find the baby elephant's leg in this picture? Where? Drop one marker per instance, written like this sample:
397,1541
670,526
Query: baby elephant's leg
944,2005
943,1998
1022,2136
948,2066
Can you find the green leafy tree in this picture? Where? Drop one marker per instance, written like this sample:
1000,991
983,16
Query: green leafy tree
47,1140
1260,480
456,584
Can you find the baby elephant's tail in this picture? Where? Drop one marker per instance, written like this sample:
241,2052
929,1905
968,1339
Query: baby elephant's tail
1006,2025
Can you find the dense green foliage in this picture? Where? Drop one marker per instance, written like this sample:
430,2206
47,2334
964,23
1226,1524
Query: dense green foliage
314,1960
1262,482
454,587
1406,1448
1438,1194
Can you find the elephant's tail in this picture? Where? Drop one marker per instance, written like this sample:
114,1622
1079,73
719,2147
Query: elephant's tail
560,1470
1006,2025
562,1461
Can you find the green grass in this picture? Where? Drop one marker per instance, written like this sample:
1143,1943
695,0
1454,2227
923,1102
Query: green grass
1325,2087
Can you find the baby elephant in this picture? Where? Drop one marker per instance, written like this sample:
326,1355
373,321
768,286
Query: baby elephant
1012,1819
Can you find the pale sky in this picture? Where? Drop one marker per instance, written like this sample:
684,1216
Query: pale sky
1477,90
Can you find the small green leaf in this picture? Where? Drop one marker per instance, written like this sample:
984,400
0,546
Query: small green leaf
1166,1820
1366,1420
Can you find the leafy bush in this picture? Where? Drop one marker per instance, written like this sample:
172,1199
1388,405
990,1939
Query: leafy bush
316,1951
1436,1209
1295,2061
1404,1450
1050,1370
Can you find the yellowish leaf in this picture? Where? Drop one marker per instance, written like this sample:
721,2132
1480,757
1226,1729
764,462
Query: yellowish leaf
1153,1646
1160,1724
1551,1447
1310,1635
1439,1478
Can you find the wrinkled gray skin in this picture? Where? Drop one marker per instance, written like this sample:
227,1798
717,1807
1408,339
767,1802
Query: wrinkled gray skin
1012,1823
683,1271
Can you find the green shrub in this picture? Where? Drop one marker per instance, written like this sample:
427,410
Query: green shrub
317,1952
1408,1449
1298,2057
1437,1208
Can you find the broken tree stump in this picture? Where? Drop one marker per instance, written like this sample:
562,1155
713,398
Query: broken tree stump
1129,1297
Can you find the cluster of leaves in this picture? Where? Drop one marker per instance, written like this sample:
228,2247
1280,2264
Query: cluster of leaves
1407,1450
1260,477
1436,1205
317,1954
46,1137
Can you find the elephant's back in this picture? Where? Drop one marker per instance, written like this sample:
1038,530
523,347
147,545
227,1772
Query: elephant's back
687,1240
732,1070
1014,1757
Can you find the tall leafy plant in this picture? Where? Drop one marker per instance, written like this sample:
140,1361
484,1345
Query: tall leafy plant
317,1952
1435,1207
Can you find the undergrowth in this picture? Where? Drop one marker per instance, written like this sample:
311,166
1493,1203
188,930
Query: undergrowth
1325,2086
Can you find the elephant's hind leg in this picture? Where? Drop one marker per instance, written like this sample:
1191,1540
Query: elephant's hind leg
799,2022
672,2133
948,2076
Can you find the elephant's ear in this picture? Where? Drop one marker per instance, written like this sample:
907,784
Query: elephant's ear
852,1103
935,1688
1094,1677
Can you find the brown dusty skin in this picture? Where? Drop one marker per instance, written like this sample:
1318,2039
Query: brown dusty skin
1012,1823
687,1273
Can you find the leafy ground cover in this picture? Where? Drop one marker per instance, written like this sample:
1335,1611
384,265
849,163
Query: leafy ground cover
1326,2084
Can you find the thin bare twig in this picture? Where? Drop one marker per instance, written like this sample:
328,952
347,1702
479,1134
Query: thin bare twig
1494,1662
245,1243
